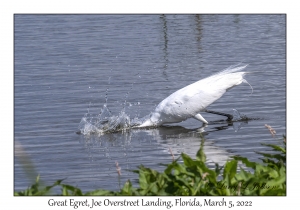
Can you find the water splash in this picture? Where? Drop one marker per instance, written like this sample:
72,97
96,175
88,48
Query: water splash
237,116
106,122
239,120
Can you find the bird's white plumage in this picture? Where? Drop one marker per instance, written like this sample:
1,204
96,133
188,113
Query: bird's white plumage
189,101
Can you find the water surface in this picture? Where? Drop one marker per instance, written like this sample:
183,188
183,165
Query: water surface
70,65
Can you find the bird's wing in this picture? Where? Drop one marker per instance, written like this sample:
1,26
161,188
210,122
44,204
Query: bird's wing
194,98
204,92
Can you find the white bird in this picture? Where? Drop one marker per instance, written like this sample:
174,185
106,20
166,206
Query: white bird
189,101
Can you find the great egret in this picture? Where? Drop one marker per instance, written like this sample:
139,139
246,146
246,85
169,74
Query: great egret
189,101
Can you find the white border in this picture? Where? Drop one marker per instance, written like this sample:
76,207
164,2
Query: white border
9,8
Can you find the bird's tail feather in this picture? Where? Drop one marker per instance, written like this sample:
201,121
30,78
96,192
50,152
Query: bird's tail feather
231,69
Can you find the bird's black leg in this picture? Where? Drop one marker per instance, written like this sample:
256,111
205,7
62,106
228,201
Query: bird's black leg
229,116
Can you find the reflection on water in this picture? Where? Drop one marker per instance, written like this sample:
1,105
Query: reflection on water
182,140
165,49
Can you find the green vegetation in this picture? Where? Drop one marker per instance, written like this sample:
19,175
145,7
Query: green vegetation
190,177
